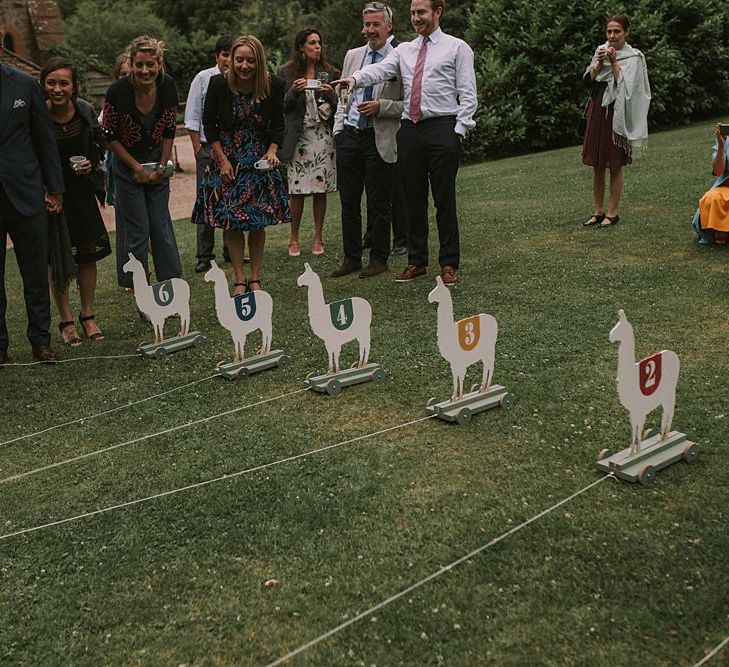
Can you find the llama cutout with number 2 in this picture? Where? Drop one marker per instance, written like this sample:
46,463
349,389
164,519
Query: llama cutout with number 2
645,384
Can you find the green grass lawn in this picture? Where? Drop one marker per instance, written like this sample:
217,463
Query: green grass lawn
623,575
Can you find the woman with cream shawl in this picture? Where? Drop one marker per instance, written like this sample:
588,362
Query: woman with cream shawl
711,220
617,116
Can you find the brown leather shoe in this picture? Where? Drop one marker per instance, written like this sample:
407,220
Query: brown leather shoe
411,272
348,266
44,353
374,268
448,275
4,357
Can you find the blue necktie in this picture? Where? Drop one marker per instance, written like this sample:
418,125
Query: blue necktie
364,121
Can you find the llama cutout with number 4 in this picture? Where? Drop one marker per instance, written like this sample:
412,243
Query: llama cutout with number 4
643,386
338,323
160,300
462,344
646,384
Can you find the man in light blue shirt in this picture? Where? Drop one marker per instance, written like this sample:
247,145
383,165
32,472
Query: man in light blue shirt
194,125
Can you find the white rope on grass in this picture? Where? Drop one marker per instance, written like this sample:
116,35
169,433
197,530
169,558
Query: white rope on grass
712,653
430,577
106,412
67,361
179,427
198,485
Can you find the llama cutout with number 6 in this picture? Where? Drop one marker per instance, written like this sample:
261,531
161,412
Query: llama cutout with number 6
462,344
646,384
160,300
643,386
337,323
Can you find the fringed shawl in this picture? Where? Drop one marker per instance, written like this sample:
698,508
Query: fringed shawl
631,94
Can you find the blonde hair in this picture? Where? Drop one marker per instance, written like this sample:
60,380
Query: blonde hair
150,45
261,89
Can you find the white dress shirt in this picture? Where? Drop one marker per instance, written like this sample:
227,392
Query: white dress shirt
353,115
196,100
449,80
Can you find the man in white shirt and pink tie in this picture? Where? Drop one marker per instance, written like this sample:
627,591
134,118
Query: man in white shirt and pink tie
439,86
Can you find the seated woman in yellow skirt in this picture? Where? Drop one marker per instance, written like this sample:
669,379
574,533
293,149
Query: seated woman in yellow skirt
711,221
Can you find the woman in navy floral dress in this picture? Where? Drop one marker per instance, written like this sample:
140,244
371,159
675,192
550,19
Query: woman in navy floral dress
244,123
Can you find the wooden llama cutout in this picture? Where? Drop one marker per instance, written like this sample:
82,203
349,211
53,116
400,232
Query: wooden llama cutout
463,344
643,386
160,301
337,323
242,314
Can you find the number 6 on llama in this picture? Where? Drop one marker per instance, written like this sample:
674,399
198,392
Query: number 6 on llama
463,344
643,386
159,301
338,323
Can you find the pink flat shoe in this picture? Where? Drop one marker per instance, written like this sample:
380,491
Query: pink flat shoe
317,249
294,250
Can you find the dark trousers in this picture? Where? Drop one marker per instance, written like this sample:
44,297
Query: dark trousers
429,153
360,168
145,214
205,233
398,214
30,240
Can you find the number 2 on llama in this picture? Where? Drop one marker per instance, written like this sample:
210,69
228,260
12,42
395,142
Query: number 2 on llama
646,384
465,342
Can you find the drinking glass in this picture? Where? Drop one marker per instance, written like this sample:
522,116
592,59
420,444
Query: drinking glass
323,78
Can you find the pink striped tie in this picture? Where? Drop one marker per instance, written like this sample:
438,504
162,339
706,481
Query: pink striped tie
416,93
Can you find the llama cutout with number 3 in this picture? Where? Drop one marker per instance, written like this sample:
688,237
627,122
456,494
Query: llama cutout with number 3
160,300
465,342
338,322
646,384
242,313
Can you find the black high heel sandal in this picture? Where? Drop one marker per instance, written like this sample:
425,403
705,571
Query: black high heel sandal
251,282
243,284
73,341
98,336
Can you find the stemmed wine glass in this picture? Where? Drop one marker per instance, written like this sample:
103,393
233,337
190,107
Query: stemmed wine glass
323,78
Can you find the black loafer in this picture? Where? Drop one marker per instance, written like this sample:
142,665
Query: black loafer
202,265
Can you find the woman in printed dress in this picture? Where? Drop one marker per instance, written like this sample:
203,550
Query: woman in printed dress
244,125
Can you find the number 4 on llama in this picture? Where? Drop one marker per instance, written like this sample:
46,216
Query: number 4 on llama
240,315
338,323
643,386
158,302
463,344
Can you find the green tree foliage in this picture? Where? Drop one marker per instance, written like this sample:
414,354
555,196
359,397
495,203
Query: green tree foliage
530,59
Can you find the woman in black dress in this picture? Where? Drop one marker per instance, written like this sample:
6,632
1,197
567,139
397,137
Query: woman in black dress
78,136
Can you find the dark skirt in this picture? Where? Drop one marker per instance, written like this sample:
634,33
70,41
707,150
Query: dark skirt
598,149
89,237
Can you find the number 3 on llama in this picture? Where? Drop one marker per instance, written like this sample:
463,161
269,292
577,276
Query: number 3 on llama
643,386
463,344
159,301
338,323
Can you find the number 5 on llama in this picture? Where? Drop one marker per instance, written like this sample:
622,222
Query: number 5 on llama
338,323
643,386
463,344
240,315
159,301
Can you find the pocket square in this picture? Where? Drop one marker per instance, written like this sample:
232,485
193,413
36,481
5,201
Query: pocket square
18,104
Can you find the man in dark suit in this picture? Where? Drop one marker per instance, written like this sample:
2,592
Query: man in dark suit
31,182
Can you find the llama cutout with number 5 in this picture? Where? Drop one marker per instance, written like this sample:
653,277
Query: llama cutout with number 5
646,384
160,300
338,322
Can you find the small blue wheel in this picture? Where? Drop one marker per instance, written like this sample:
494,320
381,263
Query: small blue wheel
334,387
463,416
